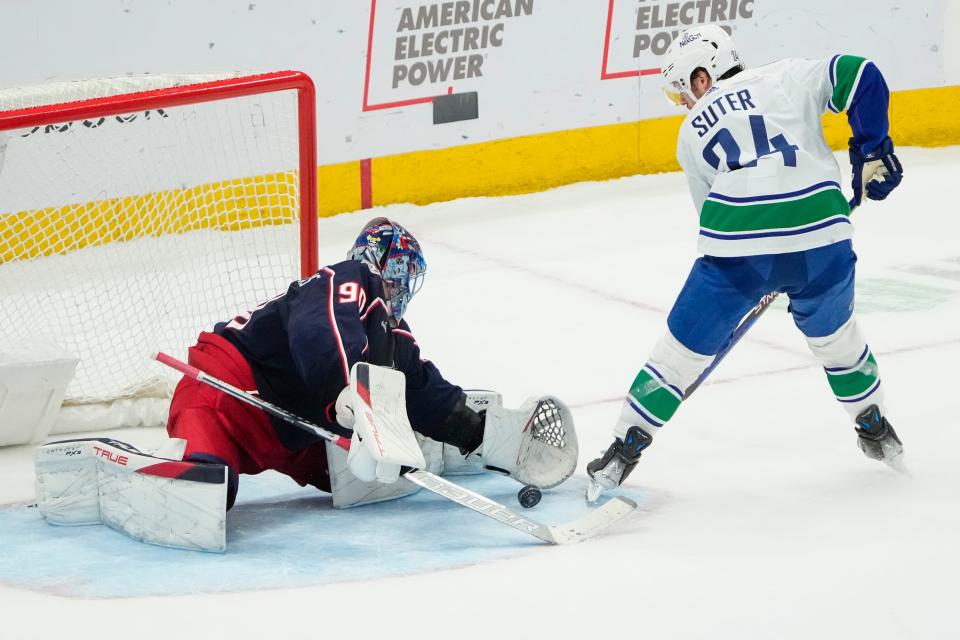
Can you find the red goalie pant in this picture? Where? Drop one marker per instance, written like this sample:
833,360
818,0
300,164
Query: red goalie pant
220,428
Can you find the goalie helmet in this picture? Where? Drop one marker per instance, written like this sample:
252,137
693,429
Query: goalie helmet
395,254
708,47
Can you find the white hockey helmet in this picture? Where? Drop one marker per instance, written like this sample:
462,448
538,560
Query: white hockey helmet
707,46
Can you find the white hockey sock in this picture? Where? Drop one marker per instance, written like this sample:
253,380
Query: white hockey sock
850,367
657,390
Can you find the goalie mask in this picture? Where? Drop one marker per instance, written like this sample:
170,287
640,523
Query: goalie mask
397,257
707,47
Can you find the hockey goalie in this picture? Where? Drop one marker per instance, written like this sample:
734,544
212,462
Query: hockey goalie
300,351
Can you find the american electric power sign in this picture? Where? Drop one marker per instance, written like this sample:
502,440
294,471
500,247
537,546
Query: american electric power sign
421,52
437,52
639,32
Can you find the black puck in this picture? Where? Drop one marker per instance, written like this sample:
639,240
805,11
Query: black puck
529,496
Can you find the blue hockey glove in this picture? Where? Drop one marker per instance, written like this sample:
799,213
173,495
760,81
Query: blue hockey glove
878,172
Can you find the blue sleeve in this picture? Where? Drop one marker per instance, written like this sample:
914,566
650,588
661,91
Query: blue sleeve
867,112
860,89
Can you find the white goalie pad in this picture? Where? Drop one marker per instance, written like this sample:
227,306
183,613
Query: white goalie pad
153,499
350,491
535,444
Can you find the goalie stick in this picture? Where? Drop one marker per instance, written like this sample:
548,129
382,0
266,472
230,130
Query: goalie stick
575,531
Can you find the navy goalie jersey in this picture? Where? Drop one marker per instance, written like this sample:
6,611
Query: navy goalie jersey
302,344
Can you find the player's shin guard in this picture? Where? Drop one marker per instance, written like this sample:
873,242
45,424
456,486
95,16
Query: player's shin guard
851,368
612,468
876,436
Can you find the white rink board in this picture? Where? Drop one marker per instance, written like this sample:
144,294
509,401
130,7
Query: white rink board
540,71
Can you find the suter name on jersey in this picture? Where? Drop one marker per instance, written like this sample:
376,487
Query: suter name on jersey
726,103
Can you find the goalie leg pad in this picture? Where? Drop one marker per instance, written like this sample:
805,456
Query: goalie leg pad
535,444
171,503
350,491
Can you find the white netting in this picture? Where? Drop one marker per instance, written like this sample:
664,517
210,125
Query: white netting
124,235
12,98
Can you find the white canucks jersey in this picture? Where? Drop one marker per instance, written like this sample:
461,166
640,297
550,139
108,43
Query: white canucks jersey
761,175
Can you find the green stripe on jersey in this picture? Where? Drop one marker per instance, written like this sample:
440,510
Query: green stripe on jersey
854,383
846,71
653,396
724,217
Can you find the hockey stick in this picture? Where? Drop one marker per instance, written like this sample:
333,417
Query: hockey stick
744,326
581,529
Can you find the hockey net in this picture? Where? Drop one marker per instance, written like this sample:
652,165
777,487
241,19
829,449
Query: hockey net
136,212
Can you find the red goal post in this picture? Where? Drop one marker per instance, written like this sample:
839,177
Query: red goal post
138,201
207,92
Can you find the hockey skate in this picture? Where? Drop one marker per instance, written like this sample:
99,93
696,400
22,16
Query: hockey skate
613,467
878,440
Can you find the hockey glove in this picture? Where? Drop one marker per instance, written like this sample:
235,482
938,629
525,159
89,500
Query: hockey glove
878,172
535,444
463,428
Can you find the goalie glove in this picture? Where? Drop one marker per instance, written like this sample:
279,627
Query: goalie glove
535,444
877,173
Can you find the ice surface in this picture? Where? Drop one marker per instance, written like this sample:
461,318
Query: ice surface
280,536
759,517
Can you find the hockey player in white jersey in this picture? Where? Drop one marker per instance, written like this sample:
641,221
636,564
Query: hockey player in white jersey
772,218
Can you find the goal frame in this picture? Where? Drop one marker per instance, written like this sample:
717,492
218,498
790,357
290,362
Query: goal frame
35,407
209,92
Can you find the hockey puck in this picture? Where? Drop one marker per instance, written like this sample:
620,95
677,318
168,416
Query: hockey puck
529,496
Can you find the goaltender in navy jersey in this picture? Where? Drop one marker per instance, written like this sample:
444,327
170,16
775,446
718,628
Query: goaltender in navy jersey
302,344
296,351
760,173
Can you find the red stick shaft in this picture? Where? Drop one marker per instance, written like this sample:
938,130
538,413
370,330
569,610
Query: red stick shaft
196,374
188,370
